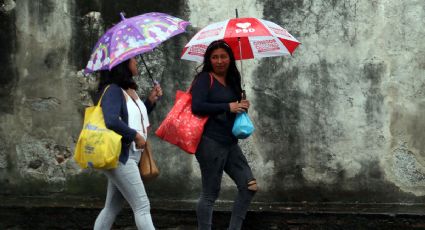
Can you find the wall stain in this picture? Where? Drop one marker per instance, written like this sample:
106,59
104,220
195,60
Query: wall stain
43,104
416,130
9,76
54,58
374,72
276,92
42,10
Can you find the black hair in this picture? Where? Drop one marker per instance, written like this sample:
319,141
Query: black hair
120,75
233,77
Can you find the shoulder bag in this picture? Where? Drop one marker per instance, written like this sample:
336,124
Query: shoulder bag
97,146
181,127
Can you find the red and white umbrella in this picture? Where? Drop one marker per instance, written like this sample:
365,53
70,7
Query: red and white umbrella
248,37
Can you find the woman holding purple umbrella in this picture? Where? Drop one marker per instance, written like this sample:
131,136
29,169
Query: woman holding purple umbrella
217,92
127,115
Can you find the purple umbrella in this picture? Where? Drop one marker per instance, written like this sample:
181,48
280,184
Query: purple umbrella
131,37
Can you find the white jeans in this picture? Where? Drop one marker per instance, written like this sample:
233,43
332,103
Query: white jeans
125,183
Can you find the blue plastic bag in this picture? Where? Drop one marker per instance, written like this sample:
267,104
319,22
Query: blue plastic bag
243,127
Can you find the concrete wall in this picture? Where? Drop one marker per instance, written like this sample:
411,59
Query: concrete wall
339,121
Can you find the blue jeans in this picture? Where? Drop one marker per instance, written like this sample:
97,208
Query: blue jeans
125,183
214,158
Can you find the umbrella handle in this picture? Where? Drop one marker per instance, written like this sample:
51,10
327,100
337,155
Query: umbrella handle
240,56
154,82
149,72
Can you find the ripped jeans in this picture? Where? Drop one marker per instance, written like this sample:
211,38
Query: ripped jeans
214,158
125,184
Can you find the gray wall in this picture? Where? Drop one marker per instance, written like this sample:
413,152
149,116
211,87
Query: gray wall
339,121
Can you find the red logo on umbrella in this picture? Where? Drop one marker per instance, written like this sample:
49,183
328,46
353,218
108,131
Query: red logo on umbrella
244,28
198,50
209,33
266,45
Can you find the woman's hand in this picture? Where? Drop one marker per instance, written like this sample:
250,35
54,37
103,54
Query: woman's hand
140,141
239,107
155,94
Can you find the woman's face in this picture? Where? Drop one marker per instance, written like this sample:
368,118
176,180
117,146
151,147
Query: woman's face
220,61
132,65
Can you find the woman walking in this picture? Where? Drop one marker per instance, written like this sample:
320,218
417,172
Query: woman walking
217,92
127,115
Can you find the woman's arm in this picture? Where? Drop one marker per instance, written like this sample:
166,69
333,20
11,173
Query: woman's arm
200,104
149,105
154,95
111,107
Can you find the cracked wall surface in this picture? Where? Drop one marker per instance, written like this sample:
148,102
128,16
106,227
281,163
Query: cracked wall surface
339,121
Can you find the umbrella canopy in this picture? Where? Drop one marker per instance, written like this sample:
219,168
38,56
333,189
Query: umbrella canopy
248,37
133,36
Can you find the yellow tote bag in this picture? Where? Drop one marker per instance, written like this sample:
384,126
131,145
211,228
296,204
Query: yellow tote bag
97,146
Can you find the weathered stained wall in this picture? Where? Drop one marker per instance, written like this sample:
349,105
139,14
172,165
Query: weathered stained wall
339,121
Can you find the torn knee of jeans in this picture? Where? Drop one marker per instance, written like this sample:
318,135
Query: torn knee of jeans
252,185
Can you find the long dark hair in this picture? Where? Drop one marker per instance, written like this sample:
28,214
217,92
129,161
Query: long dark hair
233,78
120,75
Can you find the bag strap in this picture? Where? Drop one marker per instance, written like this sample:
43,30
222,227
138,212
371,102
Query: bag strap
141,114
104,91
193,82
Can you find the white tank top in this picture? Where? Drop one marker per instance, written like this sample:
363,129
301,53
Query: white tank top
135,118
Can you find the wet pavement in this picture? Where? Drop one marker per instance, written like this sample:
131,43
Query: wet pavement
67,213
